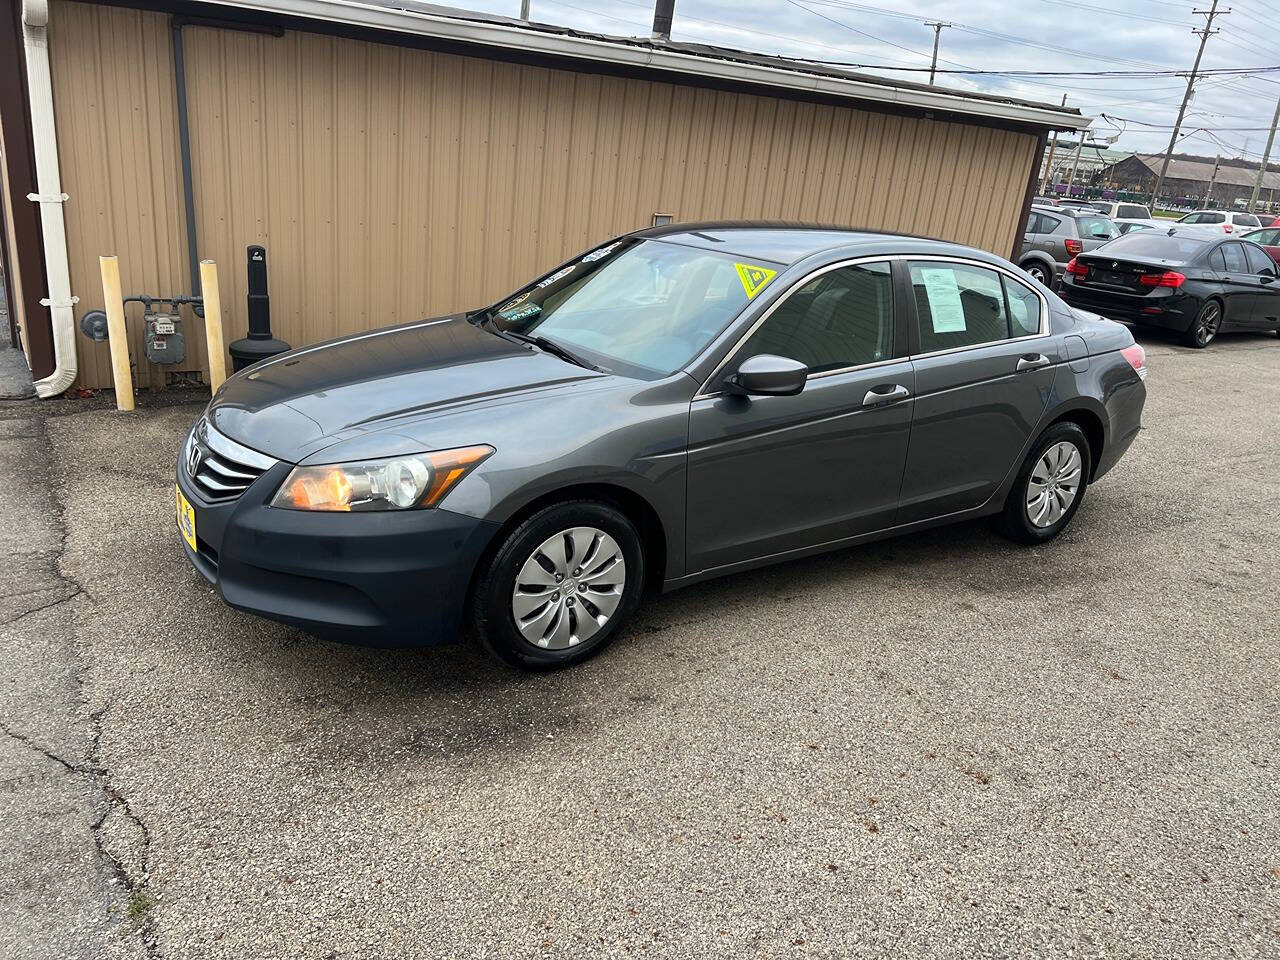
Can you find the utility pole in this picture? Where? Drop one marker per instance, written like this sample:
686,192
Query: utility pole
1048,164
664,11
1075,162
1212,180
524,10
937,35
1266,155
1204,35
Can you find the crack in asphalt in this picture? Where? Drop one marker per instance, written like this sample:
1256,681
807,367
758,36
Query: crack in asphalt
91,767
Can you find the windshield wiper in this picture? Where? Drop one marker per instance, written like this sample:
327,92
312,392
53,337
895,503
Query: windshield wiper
543,343
564,353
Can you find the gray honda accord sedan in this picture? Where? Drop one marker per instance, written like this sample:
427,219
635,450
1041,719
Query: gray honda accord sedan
676,404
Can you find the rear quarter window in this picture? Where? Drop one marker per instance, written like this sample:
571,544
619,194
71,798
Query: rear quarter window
1247,220
1133,211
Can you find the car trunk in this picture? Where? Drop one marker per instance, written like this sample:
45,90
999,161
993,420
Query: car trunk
1124,275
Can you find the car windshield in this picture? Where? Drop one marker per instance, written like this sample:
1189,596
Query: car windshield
1096,227
636,307
1155,246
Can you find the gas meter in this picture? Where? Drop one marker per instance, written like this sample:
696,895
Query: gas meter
162,337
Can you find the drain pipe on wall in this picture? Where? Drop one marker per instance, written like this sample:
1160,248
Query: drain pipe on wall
44,138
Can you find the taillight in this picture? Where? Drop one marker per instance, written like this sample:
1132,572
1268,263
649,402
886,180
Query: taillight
1226,228
1169,278
1076,268
1137,358
1073,246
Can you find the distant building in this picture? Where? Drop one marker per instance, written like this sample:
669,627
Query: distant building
1189,177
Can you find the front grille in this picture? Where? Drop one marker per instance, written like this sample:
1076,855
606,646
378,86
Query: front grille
221,468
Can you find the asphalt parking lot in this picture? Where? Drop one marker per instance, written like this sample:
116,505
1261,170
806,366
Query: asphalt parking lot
937,746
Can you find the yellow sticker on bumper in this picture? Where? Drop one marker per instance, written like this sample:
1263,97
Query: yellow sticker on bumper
186,518
753,278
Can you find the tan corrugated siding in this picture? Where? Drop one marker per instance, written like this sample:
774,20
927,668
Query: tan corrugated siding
389,183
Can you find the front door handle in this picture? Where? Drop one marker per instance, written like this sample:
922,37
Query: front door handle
1032,361
885,393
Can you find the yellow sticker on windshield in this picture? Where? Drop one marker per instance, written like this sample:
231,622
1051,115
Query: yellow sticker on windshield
753,278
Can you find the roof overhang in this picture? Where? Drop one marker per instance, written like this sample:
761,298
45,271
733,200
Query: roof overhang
652,57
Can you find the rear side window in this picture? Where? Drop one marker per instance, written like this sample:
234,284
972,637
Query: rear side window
1132,211
843,318
958,306
1233,257
1258,260
1024,308
1212,218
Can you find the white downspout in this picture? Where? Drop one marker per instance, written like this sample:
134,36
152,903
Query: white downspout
35,38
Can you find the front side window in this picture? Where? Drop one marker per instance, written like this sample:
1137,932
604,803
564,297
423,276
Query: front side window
958,306
843,318
642,308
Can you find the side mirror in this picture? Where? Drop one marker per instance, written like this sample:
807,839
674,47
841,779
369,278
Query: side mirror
768,375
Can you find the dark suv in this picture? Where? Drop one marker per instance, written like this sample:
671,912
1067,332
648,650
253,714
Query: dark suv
1056,234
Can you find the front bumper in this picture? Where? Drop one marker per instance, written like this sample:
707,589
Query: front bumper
394,578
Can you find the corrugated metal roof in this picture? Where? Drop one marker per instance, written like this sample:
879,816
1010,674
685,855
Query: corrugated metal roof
694,59
1201,170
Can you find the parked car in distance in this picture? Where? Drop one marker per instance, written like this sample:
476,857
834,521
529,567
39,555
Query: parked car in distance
676,404
1078,204
1124,210
1129,226
1056,234
1196,285
1268,238
1220,221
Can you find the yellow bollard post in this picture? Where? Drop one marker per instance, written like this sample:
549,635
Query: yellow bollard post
213,324
117,334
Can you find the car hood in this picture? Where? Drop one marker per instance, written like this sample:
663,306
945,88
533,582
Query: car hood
297,404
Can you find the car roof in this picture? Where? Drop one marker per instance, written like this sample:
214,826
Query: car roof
788,243
1069,211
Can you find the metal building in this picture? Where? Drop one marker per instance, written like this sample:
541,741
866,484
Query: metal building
404,160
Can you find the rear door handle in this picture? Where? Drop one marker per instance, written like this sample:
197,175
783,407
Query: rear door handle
1032,361
885,393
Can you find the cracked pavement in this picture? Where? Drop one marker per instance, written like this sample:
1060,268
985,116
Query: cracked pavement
941,745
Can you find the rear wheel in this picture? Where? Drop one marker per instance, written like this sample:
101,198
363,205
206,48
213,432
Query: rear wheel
1038,271
1049,487
1206,326
561,586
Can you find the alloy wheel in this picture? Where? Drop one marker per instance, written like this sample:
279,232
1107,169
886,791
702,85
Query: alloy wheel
1208,323
1054,484
568,588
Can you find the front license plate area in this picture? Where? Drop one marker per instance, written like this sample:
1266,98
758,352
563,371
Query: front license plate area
186,517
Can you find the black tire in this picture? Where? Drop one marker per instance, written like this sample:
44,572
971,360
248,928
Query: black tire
1015,521
491,599
1038,271
1204,330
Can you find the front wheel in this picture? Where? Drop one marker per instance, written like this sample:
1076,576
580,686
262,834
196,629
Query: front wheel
1205,328
561,586
1049,487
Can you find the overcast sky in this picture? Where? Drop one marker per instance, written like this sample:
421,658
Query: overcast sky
1076,35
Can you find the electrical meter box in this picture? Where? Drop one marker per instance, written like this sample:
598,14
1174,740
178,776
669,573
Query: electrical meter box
162,338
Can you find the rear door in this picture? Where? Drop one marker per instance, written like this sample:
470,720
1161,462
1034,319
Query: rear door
1266,310
985,367
1240,288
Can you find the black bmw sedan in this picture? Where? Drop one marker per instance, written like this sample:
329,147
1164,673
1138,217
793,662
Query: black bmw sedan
676,404
1194,284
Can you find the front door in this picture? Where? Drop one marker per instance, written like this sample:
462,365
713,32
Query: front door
772,474
984,375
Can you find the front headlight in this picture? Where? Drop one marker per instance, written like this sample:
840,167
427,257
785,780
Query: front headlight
396,483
